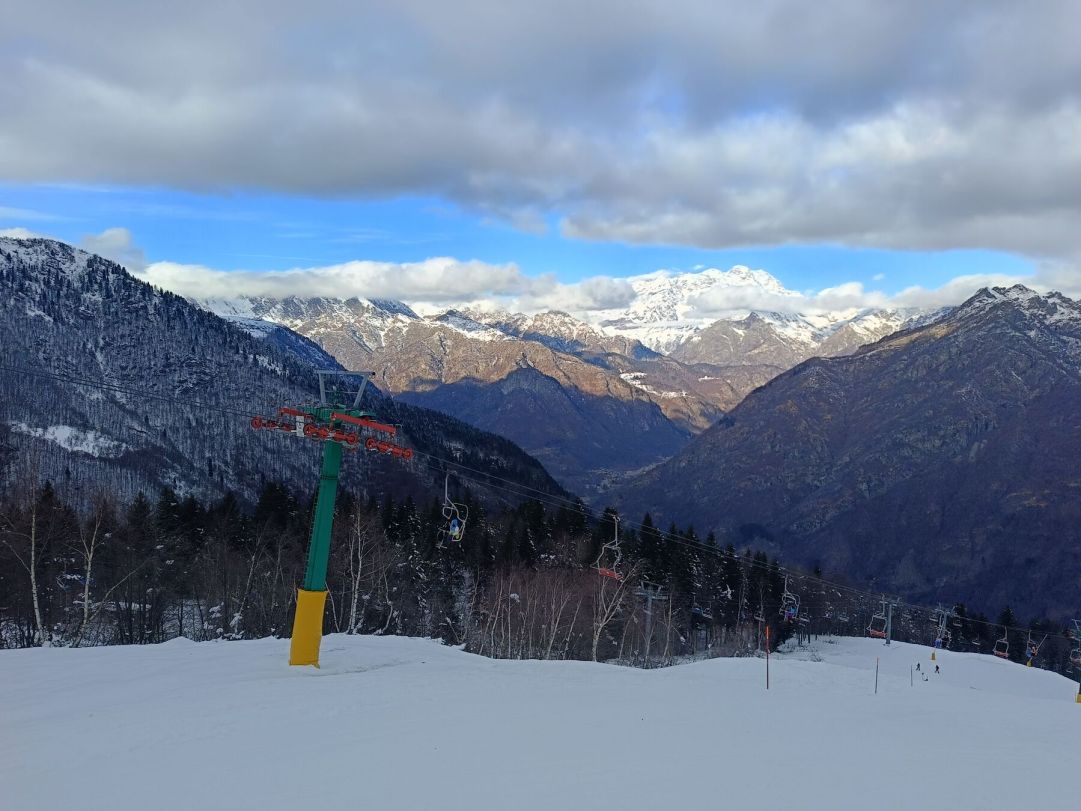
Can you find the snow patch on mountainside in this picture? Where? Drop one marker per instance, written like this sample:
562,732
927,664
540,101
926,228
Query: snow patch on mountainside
70,438
637,379
468,327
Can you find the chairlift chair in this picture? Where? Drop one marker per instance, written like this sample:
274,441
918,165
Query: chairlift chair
611,572
789,604
877,626
1002,646
1033,648
455,517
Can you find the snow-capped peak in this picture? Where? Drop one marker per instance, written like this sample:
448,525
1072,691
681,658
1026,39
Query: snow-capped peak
1052,308
670,307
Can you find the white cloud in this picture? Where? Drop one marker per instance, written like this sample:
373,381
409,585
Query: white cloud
441,279
118,245
439,283
428,285
18,233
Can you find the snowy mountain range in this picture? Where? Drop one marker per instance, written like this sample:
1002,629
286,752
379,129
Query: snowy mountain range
666,309
735,317
629,387
740,316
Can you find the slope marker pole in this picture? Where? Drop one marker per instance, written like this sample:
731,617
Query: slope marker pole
766,656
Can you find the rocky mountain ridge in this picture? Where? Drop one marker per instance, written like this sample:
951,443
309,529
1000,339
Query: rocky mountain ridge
939,462
590,406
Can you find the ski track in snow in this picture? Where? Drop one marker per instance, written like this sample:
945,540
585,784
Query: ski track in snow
397,723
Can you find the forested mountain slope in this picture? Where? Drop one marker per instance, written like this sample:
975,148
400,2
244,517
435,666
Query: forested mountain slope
940,462
71,313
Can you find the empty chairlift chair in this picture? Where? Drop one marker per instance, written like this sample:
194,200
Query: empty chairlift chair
1002,646
879,627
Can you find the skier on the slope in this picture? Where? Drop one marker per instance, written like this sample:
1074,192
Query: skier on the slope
917,667
936,669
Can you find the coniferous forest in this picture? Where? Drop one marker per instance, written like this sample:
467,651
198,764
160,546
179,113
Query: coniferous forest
526,581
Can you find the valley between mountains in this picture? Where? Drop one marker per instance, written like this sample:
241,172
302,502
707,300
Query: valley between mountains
930,454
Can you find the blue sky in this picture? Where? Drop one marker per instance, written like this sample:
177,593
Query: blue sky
276,232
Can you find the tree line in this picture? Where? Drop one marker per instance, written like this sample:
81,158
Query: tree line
526,581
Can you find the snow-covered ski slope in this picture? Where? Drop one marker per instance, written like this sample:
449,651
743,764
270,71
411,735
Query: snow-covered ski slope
396,723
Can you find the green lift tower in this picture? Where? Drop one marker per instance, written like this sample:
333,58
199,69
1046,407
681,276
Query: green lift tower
329,422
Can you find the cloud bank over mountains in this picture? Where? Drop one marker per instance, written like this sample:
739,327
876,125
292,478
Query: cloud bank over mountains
442,283
435,283
439,283
899,125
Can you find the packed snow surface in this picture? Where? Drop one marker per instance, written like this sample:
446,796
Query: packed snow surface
395,723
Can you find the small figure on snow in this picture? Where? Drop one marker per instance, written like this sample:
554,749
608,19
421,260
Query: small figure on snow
936,669
917,667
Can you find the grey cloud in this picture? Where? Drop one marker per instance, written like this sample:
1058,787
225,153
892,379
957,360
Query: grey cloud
585,296
909,125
